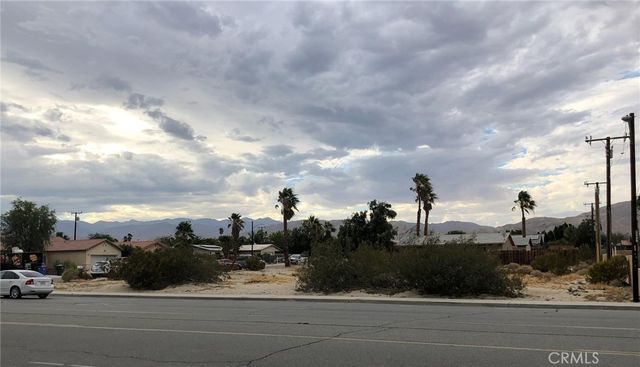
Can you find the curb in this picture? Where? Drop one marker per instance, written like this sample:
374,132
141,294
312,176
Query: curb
372,300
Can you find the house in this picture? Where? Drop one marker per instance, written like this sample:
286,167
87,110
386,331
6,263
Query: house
81,252
146,245
264,248
517,242
490,241
206,249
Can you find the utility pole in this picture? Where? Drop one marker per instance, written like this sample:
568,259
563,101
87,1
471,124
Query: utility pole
608,156
630,119
75,223
597,222
591,210
252,240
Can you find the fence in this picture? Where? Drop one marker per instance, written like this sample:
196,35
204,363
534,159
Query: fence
524,257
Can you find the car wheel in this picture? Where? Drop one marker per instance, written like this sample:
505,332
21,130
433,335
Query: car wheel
43,296
15,293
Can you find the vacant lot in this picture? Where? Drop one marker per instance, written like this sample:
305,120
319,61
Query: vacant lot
278,280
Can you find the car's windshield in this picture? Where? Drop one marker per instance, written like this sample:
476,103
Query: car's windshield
32,274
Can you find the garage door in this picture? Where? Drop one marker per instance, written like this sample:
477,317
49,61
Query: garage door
96,258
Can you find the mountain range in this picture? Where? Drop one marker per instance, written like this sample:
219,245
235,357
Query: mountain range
148,230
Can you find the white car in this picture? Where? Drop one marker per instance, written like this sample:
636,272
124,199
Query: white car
18,283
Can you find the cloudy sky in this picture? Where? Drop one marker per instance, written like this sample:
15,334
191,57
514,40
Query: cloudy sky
181,109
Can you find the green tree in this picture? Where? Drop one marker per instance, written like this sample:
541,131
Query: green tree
313,229
100,236
184,236
62,235
261,236
127,238
374,230
27,226
288,202
525,203
237,224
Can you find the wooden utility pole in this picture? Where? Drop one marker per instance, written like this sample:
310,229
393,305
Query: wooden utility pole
597,221
75,223
591,210
608,156
630,119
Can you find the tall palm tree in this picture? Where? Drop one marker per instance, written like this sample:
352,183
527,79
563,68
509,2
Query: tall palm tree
418,180
288,202
425,197
237,224
313,228
525,203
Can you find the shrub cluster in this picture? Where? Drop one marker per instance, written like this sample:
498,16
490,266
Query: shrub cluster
71,272
159,269
254,263
557,263
614,269
454,270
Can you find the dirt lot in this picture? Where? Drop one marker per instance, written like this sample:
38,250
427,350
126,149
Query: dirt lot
278,280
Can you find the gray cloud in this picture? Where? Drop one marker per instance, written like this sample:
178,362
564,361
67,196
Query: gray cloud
236,134
106,81
188,17
175,128
31,64
137,100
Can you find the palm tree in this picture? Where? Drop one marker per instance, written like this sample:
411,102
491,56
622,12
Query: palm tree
288,202
313,228
425,197
418,180
236,224
525,203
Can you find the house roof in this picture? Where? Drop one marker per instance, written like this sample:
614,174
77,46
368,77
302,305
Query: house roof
58,244
476,238
212,248
144,244
258,247
518,240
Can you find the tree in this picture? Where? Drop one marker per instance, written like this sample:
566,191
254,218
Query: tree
313,229
105,236
127,238
62,235
221,231
27,226
288,202
417,188
184,236
374,230
261,236
425,197
525,203
236,224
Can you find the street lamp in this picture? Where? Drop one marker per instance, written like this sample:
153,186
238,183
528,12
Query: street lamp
630,119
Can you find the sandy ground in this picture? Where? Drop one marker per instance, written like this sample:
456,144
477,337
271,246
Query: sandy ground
278,280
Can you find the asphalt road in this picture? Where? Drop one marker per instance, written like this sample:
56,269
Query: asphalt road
102,332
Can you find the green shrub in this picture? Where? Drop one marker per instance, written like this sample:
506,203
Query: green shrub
614,269
327,270
254,263
373,269
69,275
114,269
159,269
586,253
556,262
447,270
456,271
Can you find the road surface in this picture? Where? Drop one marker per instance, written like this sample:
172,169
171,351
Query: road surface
104,332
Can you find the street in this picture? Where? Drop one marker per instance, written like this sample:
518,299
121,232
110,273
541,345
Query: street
107,331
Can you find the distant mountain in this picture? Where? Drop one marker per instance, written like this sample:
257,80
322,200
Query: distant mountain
620,220
148,230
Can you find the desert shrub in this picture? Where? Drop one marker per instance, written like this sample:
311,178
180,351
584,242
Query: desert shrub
254,263
524,269
159,269
372,268
556,262
614,269
456,271
512,267
586,253
114,269
327,270
69,275
72,272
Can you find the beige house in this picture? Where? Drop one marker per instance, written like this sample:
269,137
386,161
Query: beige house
146,245
81,252
264,248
